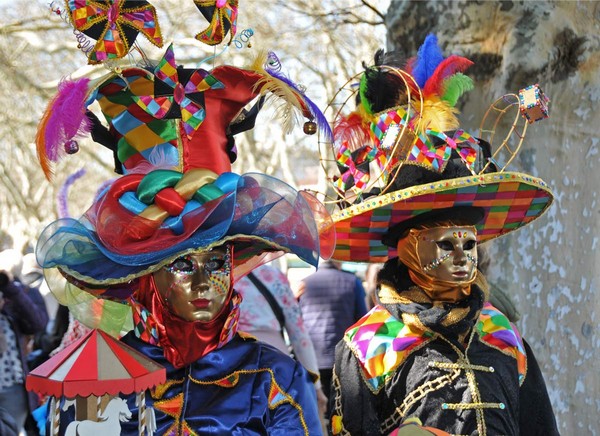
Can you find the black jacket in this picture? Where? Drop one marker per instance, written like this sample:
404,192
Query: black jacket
447,385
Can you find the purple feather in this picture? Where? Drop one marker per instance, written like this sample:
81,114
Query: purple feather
63,192
67,118
319,117
428,58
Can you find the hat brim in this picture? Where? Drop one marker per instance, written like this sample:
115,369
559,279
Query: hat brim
262,217
509,201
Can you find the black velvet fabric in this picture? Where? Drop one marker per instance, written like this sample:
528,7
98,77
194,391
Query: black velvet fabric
526,407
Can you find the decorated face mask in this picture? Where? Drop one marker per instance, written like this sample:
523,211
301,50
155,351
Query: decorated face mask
195,286
448,253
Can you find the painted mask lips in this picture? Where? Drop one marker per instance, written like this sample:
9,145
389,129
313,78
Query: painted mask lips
201,303
460,274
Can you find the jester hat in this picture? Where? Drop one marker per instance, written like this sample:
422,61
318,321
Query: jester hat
428,168
171,131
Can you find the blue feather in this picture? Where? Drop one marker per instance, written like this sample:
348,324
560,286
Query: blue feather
428,58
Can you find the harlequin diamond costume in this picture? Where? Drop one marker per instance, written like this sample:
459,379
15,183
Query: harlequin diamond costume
178,212
434,357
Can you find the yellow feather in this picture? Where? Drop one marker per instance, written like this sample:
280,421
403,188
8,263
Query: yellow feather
291,104
437,114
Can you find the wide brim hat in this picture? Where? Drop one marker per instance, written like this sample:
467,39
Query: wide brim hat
260,215
510,200
404,161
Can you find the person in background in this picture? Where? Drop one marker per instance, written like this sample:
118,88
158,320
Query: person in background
32,275
331,300
8,426
371,284
22,313
265,325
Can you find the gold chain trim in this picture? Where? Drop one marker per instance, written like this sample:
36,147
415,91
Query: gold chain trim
471,381
457,406
461,365
416,395
337,414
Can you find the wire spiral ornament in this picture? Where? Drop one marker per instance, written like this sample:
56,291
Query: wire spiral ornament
240,42
273,62
243,39
382,177
83,42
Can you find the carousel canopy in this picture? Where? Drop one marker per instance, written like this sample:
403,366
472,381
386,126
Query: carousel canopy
97,364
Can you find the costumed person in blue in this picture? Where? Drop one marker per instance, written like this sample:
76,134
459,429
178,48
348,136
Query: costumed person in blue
434,356
170,237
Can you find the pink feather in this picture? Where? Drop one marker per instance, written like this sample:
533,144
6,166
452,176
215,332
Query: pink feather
67,118
449,66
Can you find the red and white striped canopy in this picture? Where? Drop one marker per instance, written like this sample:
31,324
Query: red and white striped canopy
97,364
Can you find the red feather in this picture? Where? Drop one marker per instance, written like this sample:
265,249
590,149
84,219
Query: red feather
352,129
449,66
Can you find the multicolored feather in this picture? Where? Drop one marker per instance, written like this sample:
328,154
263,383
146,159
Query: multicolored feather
64,119
293,97
449,66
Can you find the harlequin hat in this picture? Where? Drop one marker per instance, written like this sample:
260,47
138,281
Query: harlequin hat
171,130
403,159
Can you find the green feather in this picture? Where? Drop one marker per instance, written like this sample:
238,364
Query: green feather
363,92
455,86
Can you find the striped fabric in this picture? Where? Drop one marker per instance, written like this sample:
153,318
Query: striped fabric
510,200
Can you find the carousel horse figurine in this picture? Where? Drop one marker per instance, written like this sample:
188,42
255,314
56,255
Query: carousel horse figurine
109,421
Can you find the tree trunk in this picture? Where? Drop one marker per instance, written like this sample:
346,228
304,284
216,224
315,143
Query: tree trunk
550,268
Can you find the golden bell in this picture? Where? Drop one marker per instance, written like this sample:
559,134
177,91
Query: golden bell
310,128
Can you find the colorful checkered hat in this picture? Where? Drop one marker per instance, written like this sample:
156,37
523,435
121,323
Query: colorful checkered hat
171,130
403,159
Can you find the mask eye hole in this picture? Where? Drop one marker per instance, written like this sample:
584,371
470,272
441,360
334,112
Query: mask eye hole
469,245
445,245
182,265
214,264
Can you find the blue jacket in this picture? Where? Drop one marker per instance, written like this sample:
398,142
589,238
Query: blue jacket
332,300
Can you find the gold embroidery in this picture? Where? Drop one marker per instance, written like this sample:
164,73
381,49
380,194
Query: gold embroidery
448,365
418,394
158,392
274,388
471,381
457,406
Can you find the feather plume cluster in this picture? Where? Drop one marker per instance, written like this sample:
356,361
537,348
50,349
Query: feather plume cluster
437,75
442,84
293,101
64,119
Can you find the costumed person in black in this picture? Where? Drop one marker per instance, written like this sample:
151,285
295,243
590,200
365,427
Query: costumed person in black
168,239
434,356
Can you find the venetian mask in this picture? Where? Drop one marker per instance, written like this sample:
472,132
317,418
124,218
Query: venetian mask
195,287
448,253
